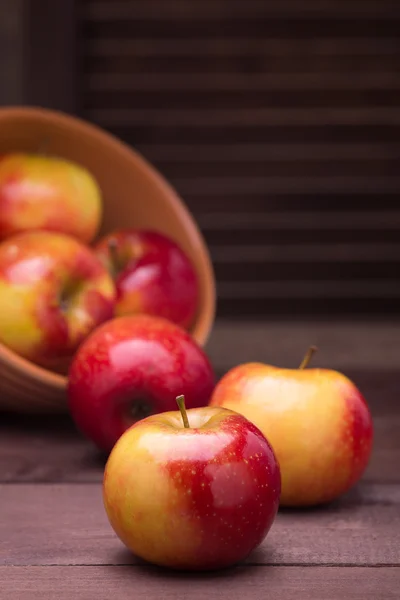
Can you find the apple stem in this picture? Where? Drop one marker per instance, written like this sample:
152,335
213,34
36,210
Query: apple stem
114,257
306,360
181,403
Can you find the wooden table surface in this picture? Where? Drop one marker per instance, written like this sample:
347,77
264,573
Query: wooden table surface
56,543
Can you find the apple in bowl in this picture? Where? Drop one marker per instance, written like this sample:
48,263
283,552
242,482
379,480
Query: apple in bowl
316,420
132,367
152,275
53,292
50,193
194,490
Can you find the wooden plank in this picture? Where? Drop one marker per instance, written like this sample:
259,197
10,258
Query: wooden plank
134,65
299,253
119,583
43,449
31,451
281,27
301,220
214,81
262,169
314,290
11,50
207,100
37,46
67,525
50,450
217,9
238,78
366,350
323,308
273,271
271,117
242,46
271,203
50,40
40,449
244,153
46,449
231,186
237,134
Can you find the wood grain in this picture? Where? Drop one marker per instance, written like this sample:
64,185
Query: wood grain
142,583
303,220
230,82
256,107
11,49
266,117
67,525
237,135
307,252
244,153
51,450
51,54
215,9
245,45
46,449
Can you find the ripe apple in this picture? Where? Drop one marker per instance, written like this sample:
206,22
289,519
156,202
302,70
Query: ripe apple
152,275
197,491
53,292
132,367
316,420
45,192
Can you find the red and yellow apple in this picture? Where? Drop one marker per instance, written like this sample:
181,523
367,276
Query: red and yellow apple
316,420
45,192
132,367
53,292
198,492
152,275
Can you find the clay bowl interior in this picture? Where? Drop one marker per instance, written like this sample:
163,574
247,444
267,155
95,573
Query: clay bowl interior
134,195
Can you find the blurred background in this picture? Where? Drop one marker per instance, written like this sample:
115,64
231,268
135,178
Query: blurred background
277,122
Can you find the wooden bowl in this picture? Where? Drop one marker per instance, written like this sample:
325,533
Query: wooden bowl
134,195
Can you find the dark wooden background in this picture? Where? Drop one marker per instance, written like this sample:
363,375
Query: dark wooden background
277,122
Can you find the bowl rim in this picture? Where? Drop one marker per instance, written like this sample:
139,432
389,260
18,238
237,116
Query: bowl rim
121,148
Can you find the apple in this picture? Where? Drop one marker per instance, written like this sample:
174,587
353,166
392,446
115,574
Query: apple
53,292
131,367
192,490
316,420
152,275
46,192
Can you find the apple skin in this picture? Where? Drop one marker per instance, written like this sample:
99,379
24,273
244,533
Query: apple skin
53,292
131,367
192,498
152,275
44,192
316,420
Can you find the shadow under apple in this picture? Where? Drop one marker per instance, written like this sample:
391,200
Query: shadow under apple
259,557
355,497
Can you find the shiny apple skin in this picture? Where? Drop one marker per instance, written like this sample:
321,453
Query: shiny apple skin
44,192
317,421
195,499
154,276
132,367
53,292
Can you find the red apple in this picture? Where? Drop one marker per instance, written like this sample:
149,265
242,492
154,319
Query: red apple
316,420
152,275
53,292
198,492
132,367
45,192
